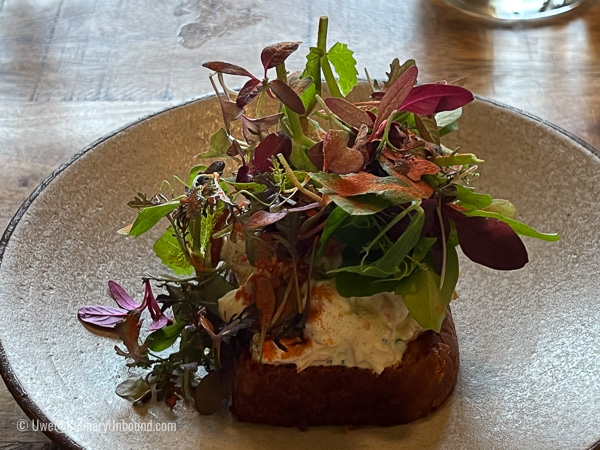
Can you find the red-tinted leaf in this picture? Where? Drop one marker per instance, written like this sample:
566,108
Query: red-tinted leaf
315,154
230,69
263,218
299,85
395,95
270,146
434,98
275,54
287,96
352,115
249,92
393,188
338,158
360,143
129,332
243,175
231,111
396,170
489,241
102,316
253,128
122,298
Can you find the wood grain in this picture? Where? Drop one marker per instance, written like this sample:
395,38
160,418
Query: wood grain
71,71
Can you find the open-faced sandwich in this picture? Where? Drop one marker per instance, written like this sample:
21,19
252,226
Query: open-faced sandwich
314,252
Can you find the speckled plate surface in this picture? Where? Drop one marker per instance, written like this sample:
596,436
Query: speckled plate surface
530,353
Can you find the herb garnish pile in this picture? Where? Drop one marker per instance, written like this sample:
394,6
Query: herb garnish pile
363,193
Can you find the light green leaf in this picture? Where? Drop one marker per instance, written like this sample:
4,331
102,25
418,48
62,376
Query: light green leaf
194,171
219,144
342,59
502,206
169,251
469,196
165,337
250,187
148,217
449,129
517,226
445,118
458,159
421,295
299,158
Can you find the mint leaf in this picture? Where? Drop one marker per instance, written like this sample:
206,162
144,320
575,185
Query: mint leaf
342,59
148,217
219,144
169,251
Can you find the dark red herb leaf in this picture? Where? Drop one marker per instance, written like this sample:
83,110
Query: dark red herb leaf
229,69
338,158
434,98
488,241
129,332
101,316
275,54
249,92
395,95
263,218
270,146
347,112
287,96
315,154
159,319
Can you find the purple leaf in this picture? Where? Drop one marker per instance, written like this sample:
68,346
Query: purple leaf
272,145
249,92
102,316
315,154
352,115
263,218
433,98
275,54
229,69
122,298
287,96
243,175
488,241
395,95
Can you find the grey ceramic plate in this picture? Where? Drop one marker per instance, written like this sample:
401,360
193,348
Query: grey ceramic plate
530,359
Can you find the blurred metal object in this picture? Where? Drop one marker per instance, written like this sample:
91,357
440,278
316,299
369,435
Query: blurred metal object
515,10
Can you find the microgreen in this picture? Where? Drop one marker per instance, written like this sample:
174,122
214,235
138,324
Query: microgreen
302,188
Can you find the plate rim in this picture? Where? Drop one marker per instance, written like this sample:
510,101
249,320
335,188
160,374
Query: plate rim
27,404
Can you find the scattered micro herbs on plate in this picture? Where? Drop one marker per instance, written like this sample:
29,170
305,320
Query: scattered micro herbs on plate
363,193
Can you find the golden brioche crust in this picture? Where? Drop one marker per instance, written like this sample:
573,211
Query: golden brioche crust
338,395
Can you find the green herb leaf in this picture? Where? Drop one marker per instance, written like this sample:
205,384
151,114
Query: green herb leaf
502,206
457,160
421,295
448,129
469,196
133,389
518,227
342,59
427,128
445,118
299,158
169,251
312,70
360,205
450,275
250,187
194,171
336,219
148,217
162,339
219,144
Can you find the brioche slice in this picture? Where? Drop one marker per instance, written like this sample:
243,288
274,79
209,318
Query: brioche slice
339,395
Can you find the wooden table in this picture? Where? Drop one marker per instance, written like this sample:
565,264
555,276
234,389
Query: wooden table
72,71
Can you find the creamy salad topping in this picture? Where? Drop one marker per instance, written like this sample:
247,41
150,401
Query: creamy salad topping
366,332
